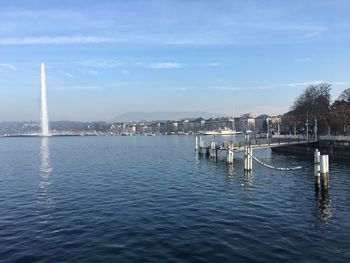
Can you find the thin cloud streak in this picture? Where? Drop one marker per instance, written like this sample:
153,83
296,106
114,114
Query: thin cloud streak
236,88
72,88
59,40
316,82
166,65
110,63
213,64
67,74
7,66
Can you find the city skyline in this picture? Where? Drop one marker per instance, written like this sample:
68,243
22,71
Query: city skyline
109,57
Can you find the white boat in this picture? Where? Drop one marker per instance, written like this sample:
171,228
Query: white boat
224,132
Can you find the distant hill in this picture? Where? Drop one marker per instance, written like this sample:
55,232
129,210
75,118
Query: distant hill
163,115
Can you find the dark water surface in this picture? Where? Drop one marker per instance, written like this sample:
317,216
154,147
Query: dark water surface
150,199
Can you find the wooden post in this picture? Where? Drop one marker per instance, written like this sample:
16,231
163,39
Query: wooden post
317,170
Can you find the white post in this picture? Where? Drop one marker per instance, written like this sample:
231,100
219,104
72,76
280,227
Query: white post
267,130
250,158
196,144
245,159
323,164
229,155
327,171
317,169
213,149
201,146
324,173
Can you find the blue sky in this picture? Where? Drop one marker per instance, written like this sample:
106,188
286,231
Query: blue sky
104,58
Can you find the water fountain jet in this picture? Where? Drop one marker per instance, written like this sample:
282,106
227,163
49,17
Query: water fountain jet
44,118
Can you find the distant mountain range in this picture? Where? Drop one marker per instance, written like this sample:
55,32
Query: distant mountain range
163,115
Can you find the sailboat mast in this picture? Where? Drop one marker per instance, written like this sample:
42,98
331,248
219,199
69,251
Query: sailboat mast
233,117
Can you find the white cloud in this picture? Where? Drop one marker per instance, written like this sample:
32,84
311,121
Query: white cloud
109,63
227,88
316,82
340,83
63,88
91,72
67,74
7,66
213,64
60,40
166,65
306,83
236,88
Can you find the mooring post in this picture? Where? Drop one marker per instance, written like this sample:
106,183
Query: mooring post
324,172
317,170
196,149
245,159
250,158
229,155
201,146
327,170
213,149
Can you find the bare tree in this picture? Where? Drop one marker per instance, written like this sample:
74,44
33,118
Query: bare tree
345,95
314,102
340,113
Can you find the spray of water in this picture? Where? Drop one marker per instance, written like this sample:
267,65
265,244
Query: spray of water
43,113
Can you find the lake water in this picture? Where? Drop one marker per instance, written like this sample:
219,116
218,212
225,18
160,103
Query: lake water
150,199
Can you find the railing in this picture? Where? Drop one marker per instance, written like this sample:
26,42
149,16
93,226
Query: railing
289,137
259,142
334,138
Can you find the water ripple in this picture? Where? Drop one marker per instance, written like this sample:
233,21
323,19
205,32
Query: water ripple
150,199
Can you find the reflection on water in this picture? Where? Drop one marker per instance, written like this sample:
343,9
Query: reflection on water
248,178
44,199
323,205
45,168
165,207
248,184
230,171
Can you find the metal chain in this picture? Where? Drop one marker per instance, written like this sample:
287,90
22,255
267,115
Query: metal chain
296,168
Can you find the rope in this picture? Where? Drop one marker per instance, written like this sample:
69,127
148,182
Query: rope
296,168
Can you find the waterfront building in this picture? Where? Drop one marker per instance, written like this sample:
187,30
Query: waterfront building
247,122
262,123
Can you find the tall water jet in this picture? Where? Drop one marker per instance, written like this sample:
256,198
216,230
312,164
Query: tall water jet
44,118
